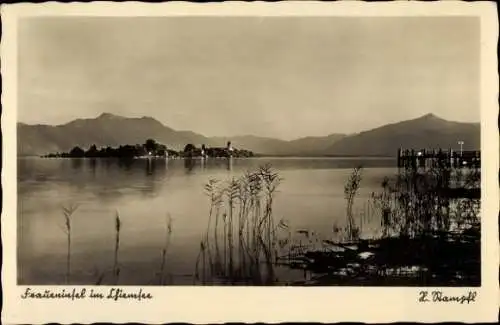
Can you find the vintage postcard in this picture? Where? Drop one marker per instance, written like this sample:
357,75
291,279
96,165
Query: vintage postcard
250,162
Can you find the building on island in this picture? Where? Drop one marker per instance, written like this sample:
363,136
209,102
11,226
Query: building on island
205,151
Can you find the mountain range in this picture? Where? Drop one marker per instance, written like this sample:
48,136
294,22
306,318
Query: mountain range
428,131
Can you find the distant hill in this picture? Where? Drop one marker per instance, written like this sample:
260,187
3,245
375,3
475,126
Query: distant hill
112,130
105,130
428,131
270,146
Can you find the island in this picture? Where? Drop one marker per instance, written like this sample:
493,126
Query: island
153,149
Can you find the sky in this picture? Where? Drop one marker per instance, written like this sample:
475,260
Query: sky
283,77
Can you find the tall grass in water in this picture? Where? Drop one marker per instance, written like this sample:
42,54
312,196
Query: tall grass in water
168,234
417,202
425,224
68,213
241,212
215,192
350,190
116,268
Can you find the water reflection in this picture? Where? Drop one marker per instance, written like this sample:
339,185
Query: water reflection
126,164
115,175
204,164
150,167
77,163
93,166
144,191
189,164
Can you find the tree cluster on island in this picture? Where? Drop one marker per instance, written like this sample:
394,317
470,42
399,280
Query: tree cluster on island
217,152
151,148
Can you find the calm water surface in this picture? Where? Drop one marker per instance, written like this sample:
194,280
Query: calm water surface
144,193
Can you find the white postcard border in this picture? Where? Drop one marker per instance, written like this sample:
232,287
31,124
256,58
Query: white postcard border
252,304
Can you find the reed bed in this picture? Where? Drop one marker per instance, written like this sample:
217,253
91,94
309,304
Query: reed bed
423,228
243,241
418,203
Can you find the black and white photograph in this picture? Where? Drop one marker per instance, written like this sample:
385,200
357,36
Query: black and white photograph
251,150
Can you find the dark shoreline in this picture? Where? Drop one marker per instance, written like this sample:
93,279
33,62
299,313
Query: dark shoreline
255,156
433,256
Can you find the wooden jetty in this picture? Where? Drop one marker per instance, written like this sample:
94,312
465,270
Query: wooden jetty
425,158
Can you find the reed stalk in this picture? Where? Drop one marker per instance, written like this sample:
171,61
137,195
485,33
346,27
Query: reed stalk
168,234
248,213
416,204
350,190
116,267
68,213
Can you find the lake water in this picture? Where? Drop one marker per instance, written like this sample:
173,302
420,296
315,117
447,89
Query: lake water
144,192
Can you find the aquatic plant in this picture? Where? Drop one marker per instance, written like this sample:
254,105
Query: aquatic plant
168,234
350,190
116,268
68,213
99,276
428,216
241,212
424,202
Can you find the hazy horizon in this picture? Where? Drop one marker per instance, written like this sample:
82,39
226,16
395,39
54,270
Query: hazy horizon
234,135
280,77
